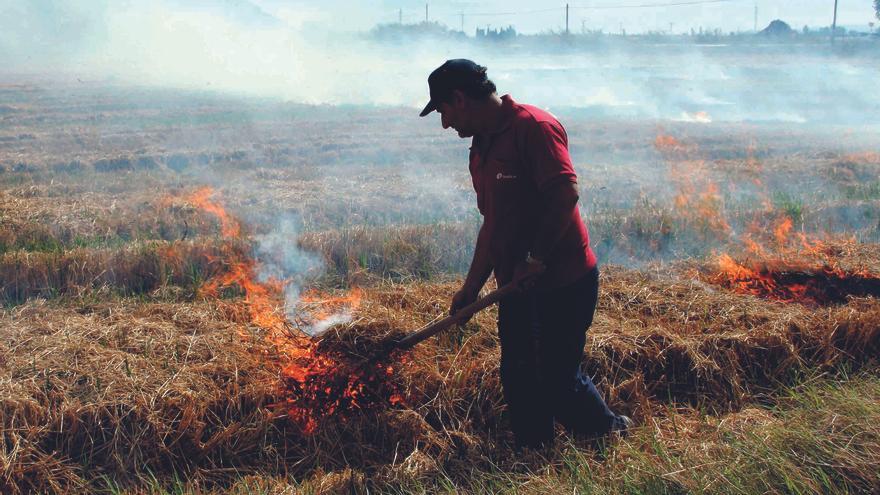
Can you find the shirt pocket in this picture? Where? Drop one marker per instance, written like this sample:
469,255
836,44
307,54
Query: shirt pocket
508,185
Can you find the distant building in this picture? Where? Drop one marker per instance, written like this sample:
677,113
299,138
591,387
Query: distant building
498,34
777,28
424,29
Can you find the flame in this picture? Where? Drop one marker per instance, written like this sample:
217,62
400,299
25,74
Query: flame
668,143
793,267
698,199
261,299
701,117
325,307
752,246
781,231
313,383
807,272
201,198
791,282
756,282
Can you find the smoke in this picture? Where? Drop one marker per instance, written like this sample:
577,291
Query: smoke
234,46
290,54
39,34
281,259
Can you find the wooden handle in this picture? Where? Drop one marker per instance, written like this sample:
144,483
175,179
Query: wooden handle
465,312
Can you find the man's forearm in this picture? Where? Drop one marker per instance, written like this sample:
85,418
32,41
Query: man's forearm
557,217
481,266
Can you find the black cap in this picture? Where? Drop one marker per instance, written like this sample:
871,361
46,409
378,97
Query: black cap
459,73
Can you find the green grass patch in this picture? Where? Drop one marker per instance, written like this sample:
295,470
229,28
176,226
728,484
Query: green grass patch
792,206
822,436
863,191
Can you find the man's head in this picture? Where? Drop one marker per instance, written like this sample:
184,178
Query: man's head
459,89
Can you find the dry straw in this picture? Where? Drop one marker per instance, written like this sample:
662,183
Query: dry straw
131,390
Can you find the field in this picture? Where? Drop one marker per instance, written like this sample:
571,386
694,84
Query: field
165,256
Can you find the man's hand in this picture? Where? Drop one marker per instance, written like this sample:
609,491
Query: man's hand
462,298
527,272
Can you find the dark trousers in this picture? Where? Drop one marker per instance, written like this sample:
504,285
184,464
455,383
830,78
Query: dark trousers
542,342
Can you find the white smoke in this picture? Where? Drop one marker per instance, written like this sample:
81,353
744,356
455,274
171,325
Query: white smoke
234,47
280,258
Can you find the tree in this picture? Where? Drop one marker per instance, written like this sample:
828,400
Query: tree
877,8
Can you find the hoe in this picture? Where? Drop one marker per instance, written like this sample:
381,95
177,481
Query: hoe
386,348
464,313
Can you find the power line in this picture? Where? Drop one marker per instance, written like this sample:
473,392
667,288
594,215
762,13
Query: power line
537,11
597,7
678,3
651,5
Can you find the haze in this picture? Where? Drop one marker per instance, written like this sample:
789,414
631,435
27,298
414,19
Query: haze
318,53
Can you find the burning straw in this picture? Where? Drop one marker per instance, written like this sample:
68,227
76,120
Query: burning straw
316,382
172,388
791,267
225,386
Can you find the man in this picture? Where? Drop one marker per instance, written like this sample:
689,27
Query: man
532,235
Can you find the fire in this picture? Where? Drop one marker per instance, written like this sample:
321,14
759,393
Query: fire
201,198
314,384
665,142
752,246
340,388
700,116
794,266
781,231
261,299
327,309
762,283
806,271
698,200
809,285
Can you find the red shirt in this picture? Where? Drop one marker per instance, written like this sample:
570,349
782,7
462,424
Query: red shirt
510,168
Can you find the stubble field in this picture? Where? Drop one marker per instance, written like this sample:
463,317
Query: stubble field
163,253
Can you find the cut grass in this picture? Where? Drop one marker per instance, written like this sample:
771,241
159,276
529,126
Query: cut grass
161,391
819,436
133,269
134,389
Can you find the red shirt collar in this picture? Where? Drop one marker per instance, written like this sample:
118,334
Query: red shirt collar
508,109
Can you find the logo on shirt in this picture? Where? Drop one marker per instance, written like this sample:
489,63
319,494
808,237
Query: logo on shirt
501,176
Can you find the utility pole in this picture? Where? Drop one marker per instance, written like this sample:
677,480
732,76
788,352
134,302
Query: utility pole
400,16
756,17
462,22
426,12
834,22
566,19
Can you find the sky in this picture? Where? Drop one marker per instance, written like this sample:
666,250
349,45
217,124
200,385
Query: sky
536,17
297,51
